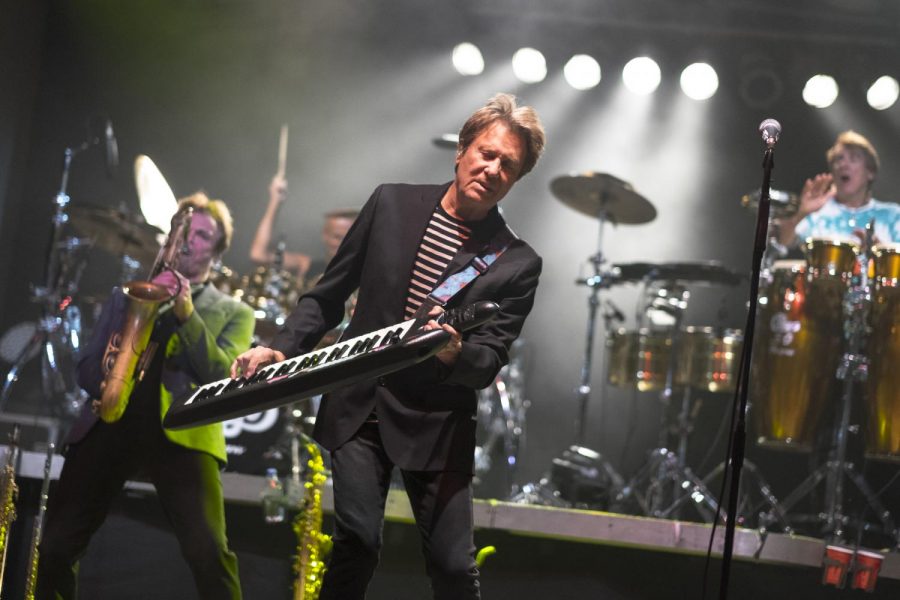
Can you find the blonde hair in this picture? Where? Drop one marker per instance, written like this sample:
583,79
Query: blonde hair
522,120
851,139
218,210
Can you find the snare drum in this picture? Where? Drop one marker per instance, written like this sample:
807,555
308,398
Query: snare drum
883,384
796,351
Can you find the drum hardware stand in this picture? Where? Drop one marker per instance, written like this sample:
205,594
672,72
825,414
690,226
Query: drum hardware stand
59,328
664,465
600,280
506,427
776,512
590,464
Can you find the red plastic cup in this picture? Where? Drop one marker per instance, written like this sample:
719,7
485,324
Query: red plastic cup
836,565
866,573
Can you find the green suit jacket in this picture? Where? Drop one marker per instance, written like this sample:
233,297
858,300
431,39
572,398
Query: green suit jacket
200,351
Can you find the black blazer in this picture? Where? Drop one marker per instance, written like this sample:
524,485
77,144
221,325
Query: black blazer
426,414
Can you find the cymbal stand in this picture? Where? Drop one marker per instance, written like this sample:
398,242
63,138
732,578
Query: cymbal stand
599,280
852,370
58,332
591,465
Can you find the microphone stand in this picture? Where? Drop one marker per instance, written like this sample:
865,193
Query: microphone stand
739,438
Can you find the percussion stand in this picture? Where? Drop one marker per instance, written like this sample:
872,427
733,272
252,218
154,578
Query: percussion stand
666,467
59,328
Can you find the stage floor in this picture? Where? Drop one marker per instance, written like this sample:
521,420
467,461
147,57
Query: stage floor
543,552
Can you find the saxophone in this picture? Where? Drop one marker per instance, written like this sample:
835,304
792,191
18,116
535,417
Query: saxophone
312,545
128,351
9,493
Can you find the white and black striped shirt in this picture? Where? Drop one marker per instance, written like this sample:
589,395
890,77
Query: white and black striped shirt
443,237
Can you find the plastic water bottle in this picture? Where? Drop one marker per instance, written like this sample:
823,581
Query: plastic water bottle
272,497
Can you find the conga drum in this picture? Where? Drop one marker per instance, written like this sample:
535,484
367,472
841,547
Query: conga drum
798,341
883,383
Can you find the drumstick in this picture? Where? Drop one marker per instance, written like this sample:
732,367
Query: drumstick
282,150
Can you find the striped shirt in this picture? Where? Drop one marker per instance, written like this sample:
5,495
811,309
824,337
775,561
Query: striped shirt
443,238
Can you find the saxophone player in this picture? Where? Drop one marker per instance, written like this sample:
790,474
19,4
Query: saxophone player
197,335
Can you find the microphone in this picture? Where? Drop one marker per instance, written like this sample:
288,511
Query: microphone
112,149
770,129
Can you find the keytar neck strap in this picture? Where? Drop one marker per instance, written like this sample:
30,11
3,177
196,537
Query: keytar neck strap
455,283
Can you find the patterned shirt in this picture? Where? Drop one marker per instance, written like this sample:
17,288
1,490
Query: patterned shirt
834,220
443,238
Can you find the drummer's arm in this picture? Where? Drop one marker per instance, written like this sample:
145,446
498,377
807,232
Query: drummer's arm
298,263
294,262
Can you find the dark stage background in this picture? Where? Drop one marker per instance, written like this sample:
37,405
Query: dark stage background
203,86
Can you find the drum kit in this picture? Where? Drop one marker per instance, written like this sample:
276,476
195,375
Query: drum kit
830,317
661,355
270,290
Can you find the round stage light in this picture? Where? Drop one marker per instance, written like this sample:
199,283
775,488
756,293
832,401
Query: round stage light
529,65
820,91
699,81
883,93
467,59
641,75
582,72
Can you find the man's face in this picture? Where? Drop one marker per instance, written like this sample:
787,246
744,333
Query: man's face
489,167
848,167
203,237
333,232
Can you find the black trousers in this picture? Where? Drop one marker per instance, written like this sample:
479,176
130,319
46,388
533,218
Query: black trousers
442,506
188,486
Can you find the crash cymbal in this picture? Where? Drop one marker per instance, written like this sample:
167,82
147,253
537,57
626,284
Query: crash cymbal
446,140
117,232
687,272
603,196
781,203
158,203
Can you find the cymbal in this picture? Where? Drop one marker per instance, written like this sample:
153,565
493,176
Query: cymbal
781,203
711,272
117,232
603,196
158,203
446,140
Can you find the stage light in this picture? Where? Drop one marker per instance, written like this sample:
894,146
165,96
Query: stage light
820,91
467,59
699,81
883,93
582,72
529,65
641,75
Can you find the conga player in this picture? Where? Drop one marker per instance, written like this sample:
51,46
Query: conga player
839,204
